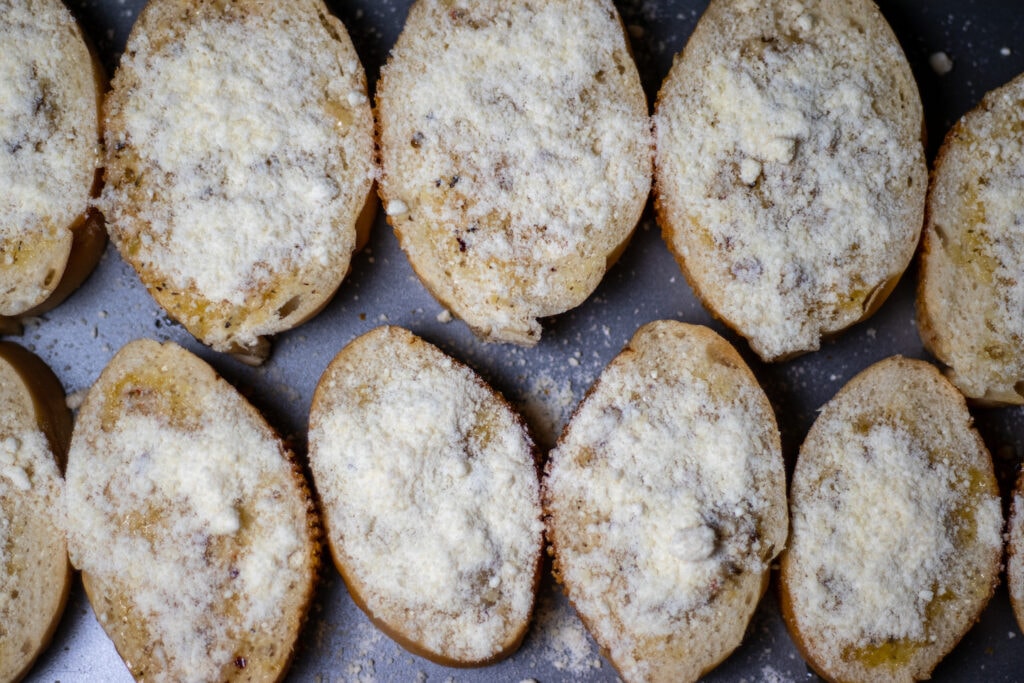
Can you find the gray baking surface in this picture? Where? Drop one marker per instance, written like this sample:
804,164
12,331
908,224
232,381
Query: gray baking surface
983,40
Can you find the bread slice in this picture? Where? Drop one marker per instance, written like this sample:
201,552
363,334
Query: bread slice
971,295
516,155
1015,552
430,498
666,501
35,428
790,174
191,522
896,539
51,84
239,140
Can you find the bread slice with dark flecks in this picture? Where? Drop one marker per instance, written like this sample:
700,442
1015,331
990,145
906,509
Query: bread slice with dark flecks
790,172
190,521
430,498
970,301
896,536
666,501
239,143
516,155
51,85
35,428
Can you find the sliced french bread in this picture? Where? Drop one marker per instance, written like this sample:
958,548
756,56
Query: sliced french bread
430,498
666,501
35,428
790,174
51,85
516,155
191,522
896,534
971,292
1015,551
239,141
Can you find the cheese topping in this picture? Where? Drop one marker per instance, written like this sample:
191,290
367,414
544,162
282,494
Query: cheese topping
48,139
790,163
517,137
973,292
661,494
196,525
249,152
430,494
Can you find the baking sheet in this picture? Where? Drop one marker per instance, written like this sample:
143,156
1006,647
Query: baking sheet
983,40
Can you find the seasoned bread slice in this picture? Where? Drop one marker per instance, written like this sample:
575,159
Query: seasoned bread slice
790,175
51,85
190,521
516,155
35,428
430,498
1015,552
239,141
970,303
896,527
666,501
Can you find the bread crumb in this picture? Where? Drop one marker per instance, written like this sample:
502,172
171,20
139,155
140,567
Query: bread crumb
396,207
940,63
74,400
444,317
1004,51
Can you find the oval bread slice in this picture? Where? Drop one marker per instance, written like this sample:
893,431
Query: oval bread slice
239,163
190,521
516,155
896,527
666,501
35,428
51,85
1015,552
430,498
971,293
790,175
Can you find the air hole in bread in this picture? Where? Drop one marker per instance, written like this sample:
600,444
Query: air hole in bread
1019,388
289,307
50,276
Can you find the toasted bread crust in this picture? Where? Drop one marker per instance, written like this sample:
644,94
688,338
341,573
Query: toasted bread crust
248,120
49,238
888,589
209,561
509,207
969,296
433,435
1015,551
790,174
35,577
696,380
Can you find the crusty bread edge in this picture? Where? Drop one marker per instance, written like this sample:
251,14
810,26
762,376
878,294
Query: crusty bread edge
320,397
54,419
1015,547
785,598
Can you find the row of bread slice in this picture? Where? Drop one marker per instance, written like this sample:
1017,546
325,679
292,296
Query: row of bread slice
239,155
664,504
